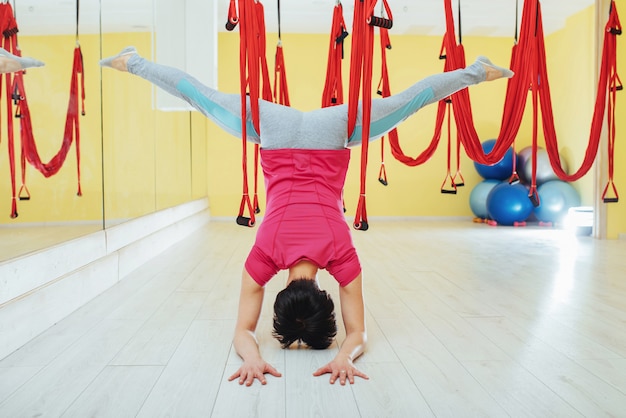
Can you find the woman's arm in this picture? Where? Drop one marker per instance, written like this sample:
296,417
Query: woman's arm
250,302
353,313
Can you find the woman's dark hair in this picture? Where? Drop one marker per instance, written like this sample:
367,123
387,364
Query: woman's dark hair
304,312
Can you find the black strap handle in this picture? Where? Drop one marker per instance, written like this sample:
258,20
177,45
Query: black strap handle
230,25
361,226
244,221
534,198
381,22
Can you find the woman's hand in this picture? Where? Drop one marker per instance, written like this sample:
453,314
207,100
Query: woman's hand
251,370
341,368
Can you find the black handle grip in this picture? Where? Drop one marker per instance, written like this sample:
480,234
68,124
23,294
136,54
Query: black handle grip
610,200
534,198
383,181
459,184
362,226
381,22
231,25
244,221
24,197
445,191
341,37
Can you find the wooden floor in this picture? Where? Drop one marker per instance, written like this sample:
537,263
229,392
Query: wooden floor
463,320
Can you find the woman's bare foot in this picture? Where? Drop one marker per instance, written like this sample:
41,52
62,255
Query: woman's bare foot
119,61
492,71
10,63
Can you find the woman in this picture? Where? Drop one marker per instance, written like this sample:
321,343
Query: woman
305,158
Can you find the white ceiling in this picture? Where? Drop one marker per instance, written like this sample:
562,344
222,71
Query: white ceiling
422,17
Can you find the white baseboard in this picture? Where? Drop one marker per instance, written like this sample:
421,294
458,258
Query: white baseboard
39,289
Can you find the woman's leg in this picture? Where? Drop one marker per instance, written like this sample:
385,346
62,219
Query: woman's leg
223,109
389,112
10,63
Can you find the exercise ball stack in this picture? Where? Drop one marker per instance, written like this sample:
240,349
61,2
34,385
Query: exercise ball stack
494,199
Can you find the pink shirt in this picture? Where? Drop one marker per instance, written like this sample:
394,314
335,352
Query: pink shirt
304,218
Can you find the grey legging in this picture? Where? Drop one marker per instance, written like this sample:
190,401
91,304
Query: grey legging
286,127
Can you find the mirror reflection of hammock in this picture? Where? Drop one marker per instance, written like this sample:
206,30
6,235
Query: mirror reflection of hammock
16,96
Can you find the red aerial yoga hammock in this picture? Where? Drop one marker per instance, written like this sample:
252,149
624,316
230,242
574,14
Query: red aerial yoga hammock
361,62
16,93
253,71
281,90
528,61
529,64
333,87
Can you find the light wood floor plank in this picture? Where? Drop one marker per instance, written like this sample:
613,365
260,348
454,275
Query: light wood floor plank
118,391
401,398
310,396
448,388
191,380
159,337
11,378
519,392
56,386
587,393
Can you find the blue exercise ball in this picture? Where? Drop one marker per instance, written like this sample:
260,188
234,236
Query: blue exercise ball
508,204
501,170
555,199
478,197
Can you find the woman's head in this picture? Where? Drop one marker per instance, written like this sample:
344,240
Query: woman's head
304,312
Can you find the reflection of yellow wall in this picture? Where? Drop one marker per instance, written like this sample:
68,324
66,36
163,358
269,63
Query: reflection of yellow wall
153,159
128,136
54,199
